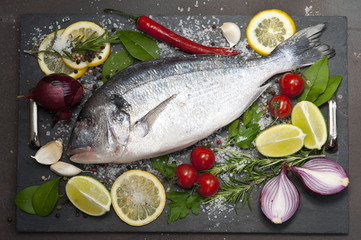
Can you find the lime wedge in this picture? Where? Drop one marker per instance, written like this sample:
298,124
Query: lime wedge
309,118
88,195
280,140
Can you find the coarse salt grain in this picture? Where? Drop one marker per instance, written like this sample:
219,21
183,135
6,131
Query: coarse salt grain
192,28
61,44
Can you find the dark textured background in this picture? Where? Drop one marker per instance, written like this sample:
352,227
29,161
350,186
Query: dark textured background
10,12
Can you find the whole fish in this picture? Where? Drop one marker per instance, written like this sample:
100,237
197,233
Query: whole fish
160,106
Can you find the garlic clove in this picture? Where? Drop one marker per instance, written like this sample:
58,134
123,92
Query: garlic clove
231,32
65,169
50,153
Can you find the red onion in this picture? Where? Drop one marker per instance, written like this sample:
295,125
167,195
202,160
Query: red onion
322,176
57,93
279,198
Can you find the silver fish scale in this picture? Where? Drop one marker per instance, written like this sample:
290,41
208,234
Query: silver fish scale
205,101
161,106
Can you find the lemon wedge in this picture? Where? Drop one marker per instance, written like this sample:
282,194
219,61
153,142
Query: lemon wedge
308,117
267,29
88,195
52,63
85,29
138,197
280,140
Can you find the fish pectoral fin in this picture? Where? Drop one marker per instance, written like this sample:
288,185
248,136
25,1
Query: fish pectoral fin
146,122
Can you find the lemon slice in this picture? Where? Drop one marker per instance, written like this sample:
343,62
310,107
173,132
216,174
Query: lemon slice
51,63
138,197
269,28
85,29
88,195
280,140
309,118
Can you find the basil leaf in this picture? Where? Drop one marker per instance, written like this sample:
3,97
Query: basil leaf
24,199
45,197
116,62
332,86
316,77
138,45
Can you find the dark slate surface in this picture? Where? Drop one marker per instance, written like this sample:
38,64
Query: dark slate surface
315,214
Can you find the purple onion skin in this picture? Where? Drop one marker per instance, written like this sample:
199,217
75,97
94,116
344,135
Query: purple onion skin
57,93
279,198
322,176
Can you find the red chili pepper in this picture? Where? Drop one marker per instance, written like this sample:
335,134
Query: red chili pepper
162,33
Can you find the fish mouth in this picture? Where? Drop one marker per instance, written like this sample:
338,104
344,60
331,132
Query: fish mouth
83,155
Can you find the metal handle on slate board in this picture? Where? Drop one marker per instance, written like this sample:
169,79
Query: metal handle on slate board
34,136
332,135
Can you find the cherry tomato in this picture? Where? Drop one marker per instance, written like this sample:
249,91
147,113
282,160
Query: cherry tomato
187,175
291,84
202,158
282,104
209,184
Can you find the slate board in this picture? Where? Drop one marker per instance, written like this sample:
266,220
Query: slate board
315,214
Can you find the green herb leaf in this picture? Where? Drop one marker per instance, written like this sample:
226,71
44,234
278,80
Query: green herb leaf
332,86
246,135
181,203
319,87
316,77
251,116
194,203
116,62
138,45
161,164
320,79
24,199
233,129
45,197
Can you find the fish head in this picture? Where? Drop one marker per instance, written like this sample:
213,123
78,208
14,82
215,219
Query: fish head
99,135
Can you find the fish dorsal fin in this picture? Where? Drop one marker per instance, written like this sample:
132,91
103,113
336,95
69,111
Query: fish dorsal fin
146,122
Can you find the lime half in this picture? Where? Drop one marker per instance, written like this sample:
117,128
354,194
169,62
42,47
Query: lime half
309,118
280,140
88,195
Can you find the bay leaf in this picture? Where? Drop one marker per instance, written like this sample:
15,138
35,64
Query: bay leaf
316,77
116,62
332,86
138,45
321,79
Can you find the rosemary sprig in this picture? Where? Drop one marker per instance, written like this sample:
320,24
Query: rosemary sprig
80,45
245,173
93,43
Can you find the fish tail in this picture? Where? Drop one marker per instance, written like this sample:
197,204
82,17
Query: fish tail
304,47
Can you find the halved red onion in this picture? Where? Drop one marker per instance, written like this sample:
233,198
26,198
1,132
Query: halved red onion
279,198
57,93
322,176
